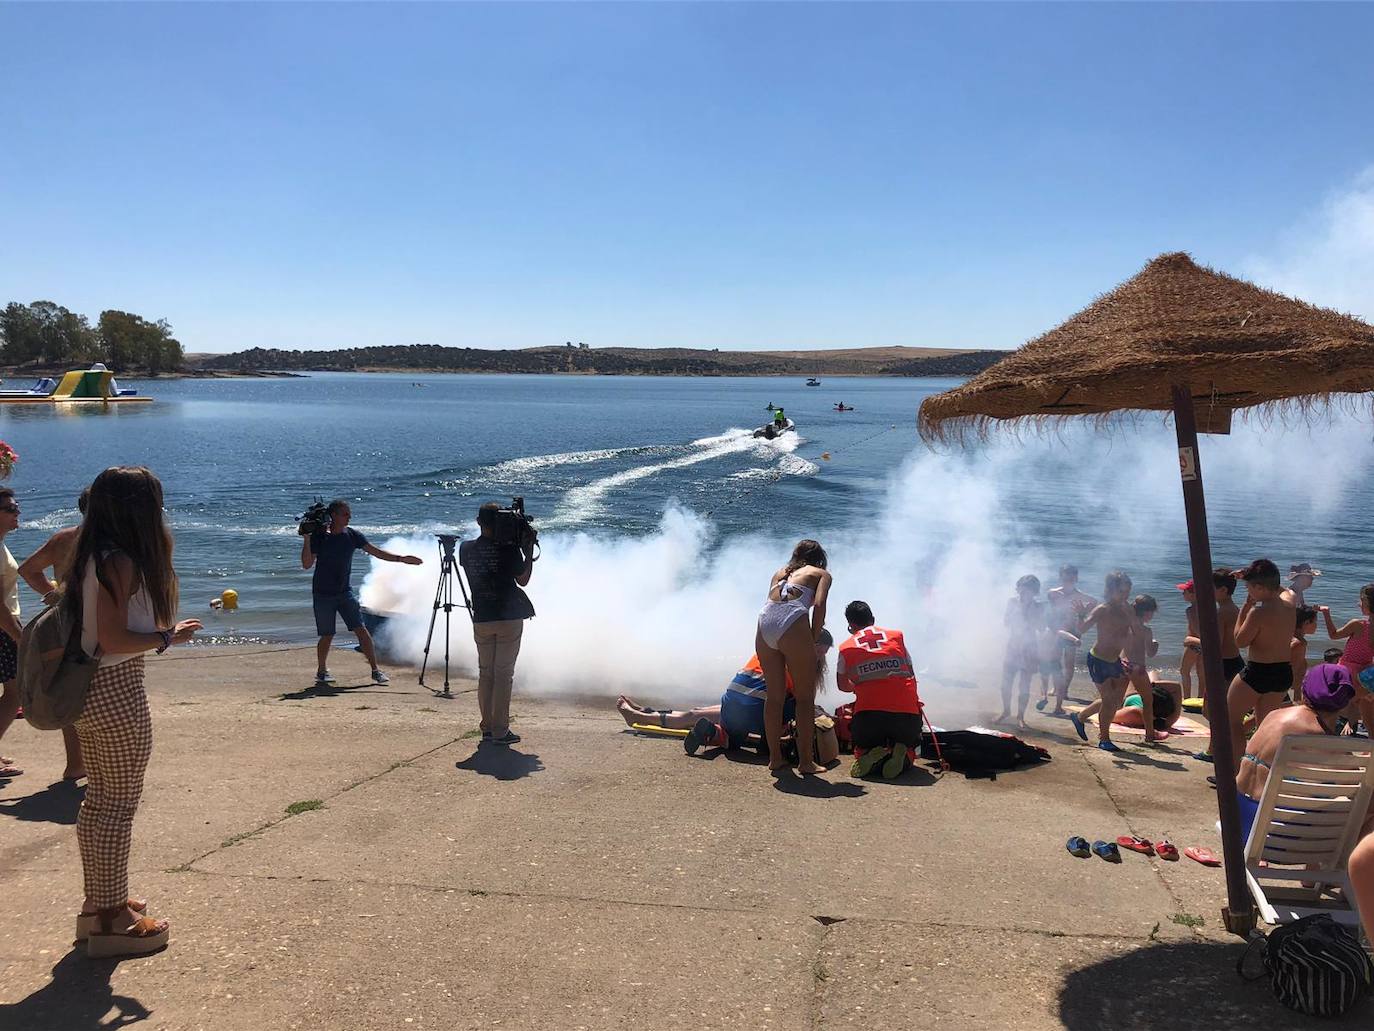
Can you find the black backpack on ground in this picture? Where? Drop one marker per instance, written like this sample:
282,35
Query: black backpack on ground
1315,966
976,754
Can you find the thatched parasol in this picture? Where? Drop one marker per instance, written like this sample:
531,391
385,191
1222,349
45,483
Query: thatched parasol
1231,343
1181,338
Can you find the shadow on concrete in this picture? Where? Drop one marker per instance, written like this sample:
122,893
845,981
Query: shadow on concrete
1184,986
59,802
501,762
78,998
793,783
326,691
1124,760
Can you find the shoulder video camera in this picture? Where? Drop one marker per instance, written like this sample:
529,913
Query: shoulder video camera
512,526
315,520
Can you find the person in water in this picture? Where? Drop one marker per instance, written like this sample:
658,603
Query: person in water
785,642
1115,622
739,714
1265,630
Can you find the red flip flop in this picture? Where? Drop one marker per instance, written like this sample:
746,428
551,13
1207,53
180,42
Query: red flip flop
1205,856
1166,850
1142,845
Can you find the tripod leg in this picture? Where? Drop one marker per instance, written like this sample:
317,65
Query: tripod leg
438,594
448,611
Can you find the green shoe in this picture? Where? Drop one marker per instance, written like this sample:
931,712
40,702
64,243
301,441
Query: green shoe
868,762
896,763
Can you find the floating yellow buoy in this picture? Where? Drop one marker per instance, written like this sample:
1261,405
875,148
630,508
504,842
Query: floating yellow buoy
230,599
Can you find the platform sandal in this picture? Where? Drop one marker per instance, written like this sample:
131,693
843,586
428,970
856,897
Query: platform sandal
145,936
85,922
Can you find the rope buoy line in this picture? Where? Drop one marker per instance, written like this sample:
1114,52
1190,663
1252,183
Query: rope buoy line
776,474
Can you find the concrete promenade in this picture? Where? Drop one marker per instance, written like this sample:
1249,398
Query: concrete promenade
353,860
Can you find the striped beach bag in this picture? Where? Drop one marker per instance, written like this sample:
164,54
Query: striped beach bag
1316,966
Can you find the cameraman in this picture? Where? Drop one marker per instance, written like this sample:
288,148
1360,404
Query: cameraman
496,570
330,551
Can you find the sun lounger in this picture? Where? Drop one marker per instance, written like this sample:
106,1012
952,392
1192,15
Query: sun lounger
1314,803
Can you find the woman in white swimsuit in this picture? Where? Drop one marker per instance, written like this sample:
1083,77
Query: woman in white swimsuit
786,643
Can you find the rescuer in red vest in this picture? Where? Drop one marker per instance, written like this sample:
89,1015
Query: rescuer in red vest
874,666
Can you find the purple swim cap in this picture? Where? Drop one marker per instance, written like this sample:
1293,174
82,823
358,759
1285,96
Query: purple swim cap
1328,688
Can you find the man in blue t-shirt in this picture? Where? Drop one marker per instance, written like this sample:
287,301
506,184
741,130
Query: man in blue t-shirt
331,554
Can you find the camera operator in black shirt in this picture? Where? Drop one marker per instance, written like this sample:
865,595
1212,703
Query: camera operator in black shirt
498,564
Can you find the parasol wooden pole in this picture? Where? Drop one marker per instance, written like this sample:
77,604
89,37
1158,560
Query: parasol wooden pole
1238,915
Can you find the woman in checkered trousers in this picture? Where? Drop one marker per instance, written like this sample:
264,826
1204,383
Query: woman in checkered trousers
127,605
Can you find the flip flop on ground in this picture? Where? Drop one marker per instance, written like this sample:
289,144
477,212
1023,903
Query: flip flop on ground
1107,850
1205,856
1144,846
1078,846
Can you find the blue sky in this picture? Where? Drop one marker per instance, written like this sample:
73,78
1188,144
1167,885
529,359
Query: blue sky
709,175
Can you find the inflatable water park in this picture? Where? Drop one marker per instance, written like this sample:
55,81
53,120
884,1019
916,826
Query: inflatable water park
95,385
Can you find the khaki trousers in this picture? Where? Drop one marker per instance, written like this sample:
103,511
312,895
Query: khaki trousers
498,646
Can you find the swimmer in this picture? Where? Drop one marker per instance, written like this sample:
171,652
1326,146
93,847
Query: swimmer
1141,647
1192,647
1300,579
1305,618
1358,655
1067,608
1224,584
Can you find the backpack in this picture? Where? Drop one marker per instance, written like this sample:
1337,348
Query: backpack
976,754
1315,966
54,671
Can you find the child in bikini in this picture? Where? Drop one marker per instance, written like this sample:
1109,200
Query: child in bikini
1358,656
1115,623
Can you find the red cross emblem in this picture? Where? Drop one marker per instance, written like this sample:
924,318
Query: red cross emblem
871,639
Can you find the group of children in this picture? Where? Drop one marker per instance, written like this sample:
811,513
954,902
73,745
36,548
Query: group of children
1272,627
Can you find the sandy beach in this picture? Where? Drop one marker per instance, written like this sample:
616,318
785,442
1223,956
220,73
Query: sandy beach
589,878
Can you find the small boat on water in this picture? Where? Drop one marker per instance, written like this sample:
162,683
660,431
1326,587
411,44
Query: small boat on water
813,382
770,430
844,408
95,385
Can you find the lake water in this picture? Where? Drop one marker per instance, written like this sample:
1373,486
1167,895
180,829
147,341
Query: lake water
935,540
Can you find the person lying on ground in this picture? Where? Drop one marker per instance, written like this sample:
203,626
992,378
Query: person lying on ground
1115,623
1265,630
1326,690
1165,707
56,554
1024,619
875,667
738,716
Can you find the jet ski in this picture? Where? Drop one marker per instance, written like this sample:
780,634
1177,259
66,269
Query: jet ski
771,430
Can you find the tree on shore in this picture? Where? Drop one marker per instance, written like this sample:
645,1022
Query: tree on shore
45,333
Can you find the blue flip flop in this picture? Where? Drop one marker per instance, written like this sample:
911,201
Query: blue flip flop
1107,850
1078,725
1109,746
1078,846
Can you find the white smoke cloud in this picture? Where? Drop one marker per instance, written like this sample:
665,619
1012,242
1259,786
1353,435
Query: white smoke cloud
1329,258
669,616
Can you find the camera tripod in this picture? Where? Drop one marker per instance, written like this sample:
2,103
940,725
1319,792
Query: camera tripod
443,599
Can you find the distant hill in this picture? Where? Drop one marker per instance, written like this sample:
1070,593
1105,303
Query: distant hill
608,361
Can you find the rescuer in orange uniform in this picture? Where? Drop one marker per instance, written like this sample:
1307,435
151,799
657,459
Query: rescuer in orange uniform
875,667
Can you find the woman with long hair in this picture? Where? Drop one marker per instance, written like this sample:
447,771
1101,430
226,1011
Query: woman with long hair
785,643
124,591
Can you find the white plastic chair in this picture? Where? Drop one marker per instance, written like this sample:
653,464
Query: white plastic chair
1314,803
